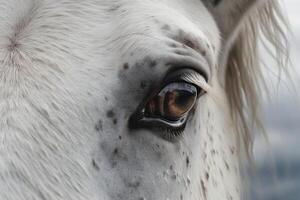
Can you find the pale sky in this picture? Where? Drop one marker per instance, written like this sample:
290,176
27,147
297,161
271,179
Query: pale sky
283,128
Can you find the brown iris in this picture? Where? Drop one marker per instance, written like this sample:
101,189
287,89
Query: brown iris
172,102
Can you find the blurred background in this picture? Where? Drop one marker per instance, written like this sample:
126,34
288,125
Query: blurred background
278,159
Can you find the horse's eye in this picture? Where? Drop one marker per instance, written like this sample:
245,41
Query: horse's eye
173,102
167,108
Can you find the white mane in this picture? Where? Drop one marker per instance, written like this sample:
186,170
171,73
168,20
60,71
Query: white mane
245,81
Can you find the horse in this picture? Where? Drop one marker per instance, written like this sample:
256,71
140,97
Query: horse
129,99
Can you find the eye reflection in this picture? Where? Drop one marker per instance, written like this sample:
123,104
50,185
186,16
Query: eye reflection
173,101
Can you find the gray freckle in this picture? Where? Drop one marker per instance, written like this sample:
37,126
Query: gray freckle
143,84
181,197
165,27
120,137
99,126
89,94
227,166
173,45
95,165
115,152
174,177
110,114
106,98
115,121
188,181
114,8
214,48
171,167
207,176
134,183
187,160
158,155
125,66
152,63
232,150
156,21
213,152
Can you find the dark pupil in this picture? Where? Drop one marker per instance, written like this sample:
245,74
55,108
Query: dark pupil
173,102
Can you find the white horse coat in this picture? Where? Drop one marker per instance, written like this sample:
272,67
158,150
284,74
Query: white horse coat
73,73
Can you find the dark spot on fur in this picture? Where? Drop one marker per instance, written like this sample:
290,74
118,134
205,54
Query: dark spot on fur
213,152
152,63
226,165
221,173
181,197
120,137
143,84
115,121
99,126
114,8
207,176
106,98
232,150
166,27
95,165
173,45
188,181
210,138
187,160
115,152
110,114
125,66
133,184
